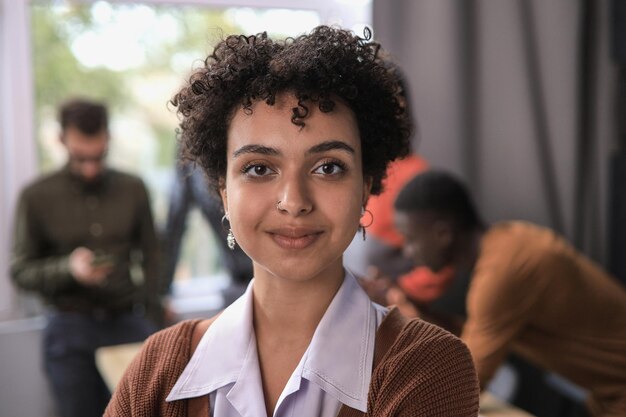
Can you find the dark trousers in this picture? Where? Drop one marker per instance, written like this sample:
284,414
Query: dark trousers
69,345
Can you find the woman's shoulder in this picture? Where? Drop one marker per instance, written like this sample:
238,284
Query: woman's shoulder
420,333
430,366
155,369
423,342
410,336
176,337
167,351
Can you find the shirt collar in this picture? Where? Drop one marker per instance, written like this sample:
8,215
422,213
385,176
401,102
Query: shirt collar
221,352
339,358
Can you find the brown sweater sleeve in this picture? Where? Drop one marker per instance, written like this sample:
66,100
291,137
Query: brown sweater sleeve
152,374
427,372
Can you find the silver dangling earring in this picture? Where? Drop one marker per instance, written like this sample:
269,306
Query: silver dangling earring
230,238
365,226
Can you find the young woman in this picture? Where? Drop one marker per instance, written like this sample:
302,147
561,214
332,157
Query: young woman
296,135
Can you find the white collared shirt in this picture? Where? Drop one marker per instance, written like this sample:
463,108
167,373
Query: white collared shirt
335,369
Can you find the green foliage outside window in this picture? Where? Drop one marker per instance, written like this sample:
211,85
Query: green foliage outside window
59,72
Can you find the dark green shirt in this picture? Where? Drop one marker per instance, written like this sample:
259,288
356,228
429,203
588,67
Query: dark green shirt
112,216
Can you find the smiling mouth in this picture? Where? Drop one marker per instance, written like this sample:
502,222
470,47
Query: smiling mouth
295,241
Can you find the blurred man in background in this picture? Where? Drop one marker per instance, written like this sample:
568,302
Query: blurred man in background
529,291
86,243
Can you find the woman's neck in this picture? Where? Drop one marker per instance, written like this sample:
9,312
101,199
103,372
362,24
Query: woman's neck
293,308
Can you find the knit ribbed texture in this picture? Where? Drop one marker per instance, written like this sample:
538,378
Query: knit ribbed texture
427,372
152,375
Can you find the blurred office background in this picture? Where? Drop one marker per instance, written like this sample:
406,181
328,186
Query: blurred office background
523,98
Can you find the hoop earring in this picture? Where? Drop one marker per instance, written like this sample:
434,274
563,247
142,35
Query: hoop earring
230,238
365,226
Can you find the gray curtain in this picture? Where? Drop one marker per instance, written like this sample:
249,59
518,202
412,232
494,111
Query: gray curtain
496,91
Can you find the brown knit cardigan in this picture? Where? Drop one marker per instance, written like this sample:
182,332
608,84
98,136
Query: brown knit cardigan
425,372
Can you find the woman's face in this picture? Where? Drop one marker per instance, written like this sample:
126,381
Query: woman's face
313,171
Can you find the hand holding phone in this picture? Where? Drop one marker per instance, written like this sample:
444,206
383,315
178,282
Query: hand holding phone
102,259
89,268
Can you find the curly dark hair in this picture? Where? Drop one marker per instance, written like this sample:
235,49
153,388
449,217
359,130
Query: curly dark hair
327,64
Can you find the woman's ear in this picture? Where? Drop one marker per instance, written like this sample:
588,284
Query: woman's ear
367,189
222,189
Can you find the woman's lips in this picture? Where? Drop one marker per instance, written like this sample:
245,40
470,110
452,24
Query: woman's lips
295,238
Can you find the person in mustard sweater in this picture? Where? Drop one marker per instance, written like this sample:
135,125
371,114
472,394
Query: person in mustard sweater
530,291
295,135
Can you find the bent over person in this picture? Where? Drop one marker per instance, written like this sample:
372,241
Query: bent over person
530,291
79,232
295,135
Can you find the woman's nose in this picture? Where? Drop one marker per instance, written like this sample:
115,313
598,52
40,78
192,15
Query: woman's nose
295,198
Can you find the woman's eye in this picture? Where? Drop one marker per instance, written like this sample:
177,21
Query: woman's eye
330,168
257,170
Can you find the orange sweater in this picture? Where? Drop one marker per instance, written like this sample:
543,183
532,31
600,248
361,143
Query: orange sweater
426,372
533,293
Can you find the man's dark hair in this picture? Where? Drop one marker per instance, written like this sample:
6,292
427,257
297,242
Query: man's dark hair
87,116
441,193
319,68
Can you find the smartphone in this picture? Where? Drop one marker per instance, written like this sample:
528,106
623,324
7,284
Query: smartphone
102,259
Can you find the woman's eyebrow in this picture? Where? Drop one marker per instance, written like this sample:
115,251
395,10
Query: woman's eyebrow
331,145
258,149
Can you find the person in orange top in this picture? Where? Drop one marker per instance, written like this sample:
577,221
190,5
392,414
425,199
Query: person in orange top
530,292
